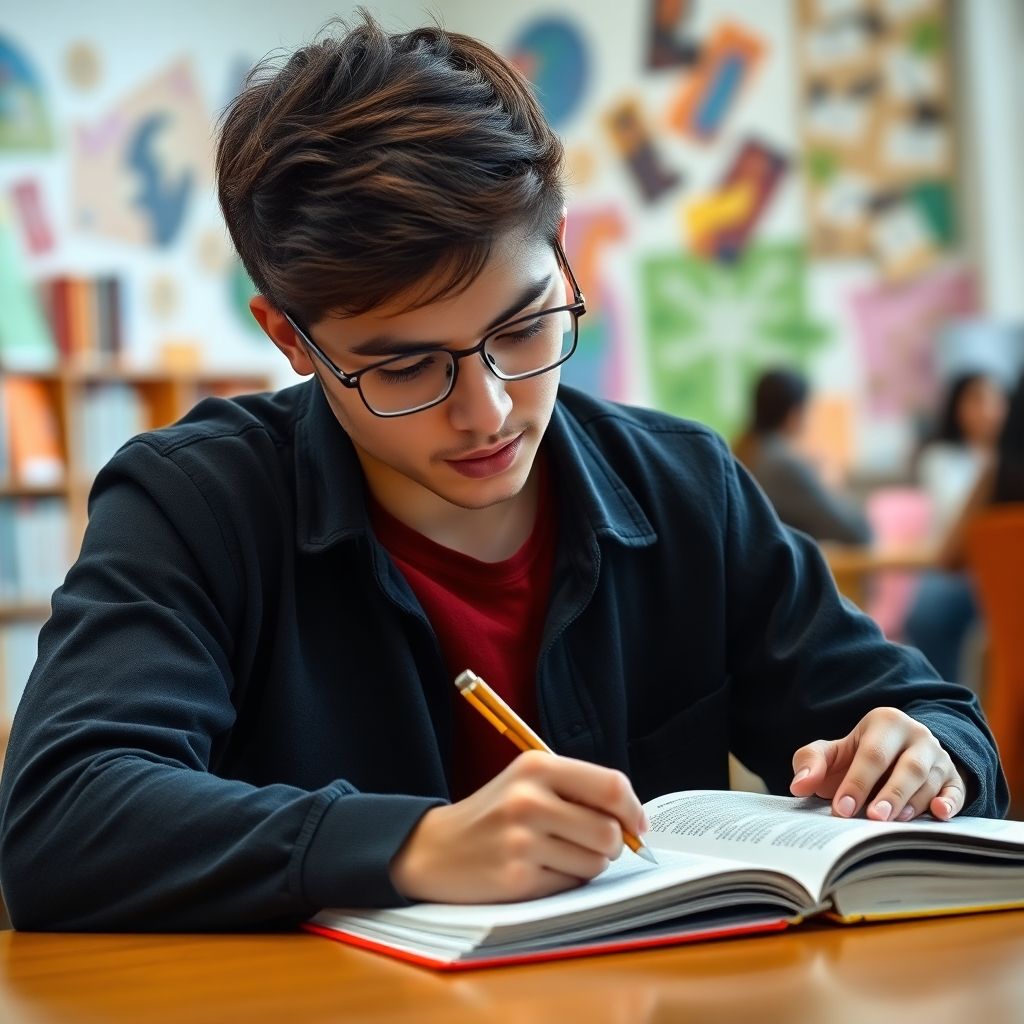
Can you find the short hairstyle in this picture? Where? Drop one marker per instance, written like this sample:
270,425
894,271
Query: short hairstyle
372,161
777,394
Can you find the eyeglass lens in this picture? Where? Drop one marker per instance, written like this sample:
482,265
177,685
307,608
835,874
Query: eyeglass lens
525,349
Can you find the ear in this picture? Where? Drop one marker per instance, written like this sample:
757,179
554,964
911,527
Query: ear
277,328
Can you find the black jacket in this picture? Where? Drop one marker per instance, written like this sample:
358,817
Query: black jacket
239,710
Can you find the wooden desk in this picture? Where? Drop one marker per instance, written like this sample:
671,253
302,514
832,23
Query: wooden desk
853,567
939,971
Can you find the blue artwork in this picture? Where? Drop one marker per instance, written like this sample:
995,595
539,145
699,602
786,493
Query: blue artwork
552,54
161,198
24,123
138,169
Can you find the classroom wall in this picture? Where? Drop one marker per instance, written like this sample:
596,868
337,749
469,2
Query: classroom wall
181,291
664,328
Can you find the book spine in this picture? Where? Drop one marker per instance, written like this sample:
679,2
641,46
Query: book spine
61,314
36,454
113,286
5,435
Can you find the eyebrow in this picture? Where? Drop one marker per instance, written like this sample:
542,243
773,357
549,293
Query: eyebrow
385,344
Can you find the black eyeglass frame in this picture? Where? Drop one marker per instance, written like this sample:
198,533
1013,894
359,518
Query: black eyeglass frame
351,380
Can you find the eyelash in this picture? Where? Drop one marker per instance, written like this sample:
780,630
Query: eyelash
405,374
526,333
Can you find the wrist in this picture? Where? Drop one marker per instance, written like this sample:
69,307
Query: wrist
409,866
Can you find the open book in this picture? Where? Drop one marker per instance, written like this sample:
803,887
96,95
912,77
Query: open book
729,863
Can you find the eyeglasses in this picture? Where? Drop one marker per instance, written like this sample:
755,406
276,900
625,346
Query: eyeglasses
524,347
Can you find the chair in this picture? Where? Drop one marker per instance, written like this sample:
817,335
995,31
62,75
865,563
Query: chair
995,559
900,518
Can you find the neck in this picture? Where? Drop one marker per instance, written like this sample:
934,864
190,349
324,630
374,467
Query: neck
489,534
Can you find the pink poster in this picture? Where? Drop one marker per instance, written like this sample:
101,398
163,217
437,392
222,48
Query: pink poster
899,327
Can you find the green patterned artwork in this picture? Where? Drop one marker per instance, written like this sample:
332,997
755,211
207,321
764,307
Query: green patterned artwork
712,327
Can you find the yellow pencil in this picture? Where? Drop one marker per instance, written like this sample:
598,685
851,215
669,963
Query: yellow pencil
506,721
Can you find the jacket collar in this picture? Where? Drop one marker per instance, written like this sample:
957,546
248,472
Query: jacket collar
330,489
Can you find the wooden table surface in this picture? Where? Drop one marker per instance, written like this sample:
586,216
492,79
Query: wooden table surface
967,970
854,567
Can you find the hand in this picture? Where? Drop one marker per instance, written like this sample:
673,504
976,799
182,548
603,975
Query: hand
889,755
543,825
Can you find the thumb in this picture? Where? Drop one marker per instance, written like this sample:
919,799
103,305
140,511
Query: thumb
814,763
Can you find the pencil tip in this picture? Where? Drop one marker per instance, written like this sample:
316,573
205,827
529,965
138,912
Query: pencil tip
646,854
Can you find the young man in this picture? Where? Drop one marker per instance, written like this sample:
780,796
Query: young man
243,707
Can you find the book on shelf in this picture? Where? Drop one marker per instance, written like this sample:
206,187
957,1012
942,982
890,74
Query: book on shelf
32,431
84,315
34,548
110,414
19,646
5,444
729,864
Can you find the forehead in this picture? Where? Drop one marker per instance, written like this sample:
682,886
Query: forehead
516,260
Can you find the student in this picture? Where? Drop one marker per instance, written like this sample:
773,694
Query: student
953,459
793,486
958,470
945,608
243,707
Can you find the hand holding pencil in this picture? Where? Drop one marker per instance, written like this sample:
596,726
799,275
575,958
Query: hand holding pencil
542,825
506,721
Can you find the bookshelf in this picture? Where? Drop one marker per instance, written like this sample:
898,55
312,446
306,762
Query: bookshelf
85,412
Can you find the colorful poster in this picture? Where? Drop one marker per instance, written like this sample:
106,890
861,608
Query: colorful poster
136,170
879,131
35,225
899,328
24,120
719,225
668,43
632,138
706,95
711,328
82,66
600,364
26,341
552,54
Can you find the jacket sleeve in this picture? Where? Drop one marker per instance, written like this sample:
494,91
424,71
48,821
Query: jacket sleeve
110,815
805,664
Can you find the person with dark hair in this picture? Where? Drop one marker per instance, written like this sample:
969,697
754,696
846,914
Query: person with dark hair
945,609
952,459
768,450
243,709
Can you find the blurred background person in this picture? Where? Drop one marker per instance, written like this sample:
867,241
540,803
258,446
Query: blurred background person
953,459
945,608
769,448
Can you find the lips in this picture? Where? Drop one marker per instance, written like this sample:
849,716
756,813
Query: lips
486,453
488,461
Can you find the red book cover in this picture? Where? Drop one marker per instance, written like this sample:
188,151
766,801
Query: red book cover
594,948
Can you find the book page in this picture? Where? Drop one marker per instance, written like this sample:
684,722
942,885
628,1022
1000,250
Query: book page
796,836
800,836
631,892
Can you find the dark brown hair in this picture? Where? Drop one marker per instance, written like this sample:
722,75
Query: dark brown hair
370,161
777,393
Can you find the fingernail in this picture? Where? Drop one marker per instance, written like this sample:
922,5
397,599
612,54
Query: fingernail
846,806
906,814
802,774
883,809
948,806
645,824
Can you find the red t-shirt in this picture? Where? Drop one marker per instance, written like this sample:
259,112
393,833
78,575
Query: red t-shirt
488,617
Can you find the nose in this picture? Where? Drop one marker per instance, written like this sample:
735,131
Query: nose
479,403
